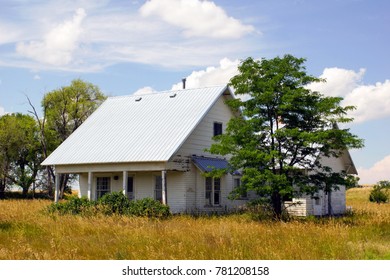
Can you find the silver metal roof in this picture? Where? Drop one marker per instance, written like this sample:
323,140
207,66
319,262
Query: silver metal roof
137,128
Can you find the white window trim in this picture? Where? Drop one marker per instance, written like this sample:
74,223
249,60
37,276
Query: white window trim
212,193
98,190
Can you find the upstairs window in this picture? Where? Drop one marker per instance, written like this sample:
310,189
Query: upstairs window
217,128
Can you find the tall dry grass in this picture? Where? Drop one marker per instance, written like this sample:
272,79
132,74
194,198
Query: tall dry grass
27,232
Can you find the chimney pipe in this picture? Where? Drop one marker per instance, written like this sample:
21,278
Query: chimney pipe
184,82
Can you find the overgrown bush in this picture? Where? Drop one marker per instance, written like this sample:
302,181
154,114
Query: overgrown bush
381,192
114,203
111,203
73,205
148,207
259,209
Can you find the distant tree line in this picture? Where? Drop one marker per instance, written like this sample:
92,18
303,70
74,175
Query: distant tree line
28,139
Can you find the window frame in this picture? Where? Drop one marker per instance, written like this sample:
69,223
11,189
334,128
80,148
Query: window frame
158,191
243,196
103,186
217,128
130,194
213,191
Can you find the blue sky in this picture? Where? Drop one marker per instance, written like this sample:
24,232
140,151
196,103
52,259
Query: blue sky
144,46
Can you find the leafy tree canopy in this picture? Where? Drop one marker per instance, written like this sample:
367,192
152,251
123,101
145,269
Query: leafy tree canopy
19,151
65,109
284,128
68,107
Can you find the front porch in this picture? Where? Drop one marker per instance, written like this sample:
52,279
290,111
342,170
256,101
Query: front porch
134,185
135,181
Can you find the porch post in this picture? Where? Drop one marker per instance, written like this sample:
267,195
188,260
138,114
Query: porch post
57,189
90,179
124,183
163,186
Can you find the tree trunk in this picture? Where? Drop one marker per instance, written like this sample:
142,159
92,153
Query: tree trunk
277,205
49,181
33,189
25,191
64,178
2,189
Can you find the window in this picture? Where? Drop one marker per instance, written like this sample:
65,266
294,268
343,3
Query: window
130,188
237,185
102,186
158,189
213,191
217,128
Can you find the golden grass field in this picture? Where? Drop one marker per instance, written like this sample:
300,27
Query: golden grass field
27,232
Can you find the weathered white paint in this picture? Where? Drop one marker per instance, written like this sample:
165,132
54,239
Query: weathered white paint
307,205
201,138
192,181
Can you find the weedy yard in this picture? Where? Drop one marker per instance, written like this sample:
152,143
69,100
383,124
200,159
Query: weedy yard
27,232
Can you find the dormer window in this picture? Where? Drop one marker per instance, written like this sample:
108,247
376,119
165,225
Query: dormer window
217,128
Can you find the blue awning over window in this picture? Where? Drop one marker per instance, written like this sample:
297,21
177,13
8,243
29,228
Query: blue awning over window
207,164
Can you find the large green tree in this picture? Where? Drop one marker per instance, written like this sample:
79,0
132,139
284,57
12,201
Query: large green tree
283,129
65,109
19,151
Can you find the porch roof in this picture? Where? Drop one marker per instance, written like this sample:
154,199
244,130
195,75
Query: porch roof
208,164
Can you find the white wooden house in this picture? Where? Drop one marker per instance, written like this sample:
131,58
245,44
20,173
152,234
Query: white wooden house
154,146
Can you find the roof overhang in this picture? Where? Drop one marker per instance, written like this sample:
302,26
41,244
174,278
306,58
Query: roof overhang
209,164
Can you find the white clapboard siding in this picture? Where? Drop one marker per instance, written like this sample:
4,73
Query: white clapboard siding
201,138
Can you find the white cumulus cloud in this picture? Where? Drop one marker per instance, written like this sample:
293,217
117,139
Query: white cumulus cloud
211,75
58,45
144,90
196,18
379,171
339,82
372,101
49,35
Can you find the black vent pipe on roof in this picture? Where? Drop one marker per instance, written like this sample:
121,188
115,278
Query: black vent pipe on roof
184,82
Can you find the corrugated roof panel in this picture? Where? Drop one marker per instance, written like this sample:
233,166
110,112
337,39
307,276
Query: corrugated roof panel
208,164
125,130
